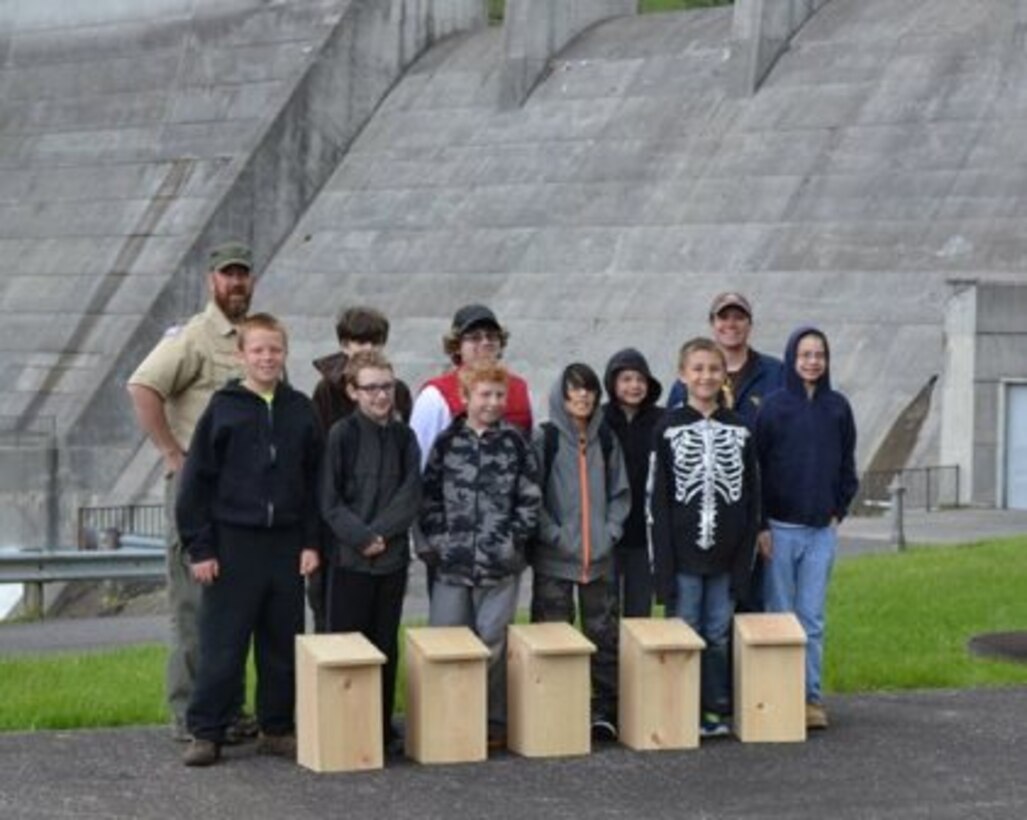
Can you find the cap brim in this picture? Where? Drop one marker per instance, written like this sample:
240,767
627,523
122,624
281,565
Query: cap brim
229,262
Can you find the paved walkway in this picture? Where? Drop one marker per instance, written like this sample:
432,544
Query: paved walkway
931,755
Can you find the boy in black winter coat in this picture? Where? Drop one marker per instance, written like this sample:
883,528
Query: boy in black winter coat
370,495
632,414
704,507
247,514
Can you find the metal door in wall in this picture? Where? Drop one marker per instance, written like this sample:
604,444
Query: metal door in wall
1015,456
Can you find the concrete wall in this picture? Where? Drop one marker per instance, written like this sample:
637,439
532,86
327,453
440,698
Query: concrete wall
534,31
306,138
958,394
986,343
134,136
760,33
879,159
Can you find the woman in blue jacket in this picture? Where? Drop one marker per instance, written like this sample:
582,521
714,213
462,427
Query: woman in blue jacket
806,441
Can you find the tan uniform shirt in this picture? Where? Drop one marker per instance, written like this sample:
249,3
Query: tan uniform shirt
188,365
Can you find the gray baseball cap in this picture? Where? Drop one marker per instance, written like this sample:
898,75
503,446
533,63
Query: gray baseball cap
231,253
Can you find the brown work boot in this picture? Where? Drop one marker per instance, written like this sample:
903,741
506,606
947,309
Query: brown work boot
816,716
201,753
277,745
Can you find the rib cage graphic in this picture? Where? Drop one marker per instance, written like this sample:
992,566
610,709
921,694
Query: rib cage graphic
707,462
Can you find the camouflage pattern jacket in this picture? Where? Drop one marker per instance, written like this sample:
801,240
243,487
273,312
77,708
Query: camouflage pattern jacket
480,503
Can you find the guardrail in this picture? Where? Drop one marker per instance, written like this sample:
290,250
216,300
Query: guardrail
47,566
131,557
926,488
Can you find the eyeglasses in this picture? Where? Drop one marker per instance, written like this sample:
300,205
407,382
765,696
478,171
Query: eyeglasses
479,336
372,389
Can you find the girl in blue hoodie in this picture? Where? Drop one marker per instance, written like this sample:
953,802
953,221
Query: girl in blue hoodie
806,442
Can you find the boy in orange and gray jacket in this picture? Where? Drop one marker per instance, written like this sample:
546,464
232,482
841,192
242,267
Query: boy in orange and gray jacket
586,499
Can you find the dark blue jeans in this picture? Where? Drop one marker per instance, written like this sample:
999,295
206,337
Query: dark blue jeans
704,603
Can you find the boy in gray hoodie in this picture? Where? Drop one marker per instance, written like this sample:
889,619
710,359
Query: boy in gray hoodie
586,499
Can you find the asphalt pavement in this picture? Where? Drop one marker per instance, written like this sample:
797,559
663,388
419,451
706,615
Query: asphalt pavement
936,754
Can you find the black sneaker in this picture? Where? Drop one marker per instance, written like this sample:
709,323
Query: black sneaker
603,730
277,745
201,753
243,729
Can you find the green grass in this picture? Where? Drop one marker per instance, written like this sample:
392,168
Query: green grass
73,691
894,622
496,7
902,621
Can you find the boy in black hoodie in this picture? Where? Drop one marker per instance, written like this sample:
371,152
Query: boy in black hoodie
704,507
632,414
247,513
806,437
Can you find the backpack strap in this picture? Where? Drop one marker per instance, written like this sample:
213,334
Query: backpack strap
606,443
550,444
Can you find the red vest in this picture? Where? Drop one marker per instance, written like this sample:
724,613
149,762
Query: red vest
518,404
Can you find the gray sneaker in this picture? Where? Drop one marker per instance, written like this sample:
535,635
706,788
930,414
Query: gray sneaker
201,753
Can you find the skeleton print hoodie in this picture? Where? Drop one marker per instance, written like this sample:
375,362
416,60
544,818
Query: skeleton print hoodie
703,497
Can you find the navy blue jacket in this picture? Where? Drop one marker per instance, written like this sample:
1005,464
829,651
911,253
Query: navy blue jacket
767,375
806,447
250,464
636,440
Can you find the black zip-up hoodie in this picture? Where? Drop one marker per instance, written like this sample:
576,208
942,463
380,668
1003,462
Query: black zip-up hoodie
636,439
250,464
806,447
704,498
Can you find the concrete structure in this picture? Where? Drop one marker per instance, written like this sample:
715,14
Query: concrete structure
760,33
878,160
535,31
985,356
133,137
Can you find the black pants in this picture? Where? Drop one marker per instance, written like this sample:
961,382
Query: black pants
552,599
632,581
373,606
258,595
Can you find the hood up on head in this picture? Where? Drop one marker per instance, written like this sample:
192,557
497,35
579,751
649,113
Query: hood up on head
631,359
793,382
559,416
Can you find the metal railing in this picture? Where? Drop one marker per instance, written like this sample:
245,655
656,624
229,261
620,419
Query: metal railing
926,488
101,527
105,552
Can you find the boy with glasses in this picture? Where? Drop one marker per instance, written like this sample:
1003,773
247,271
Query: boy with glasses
370,494
806,441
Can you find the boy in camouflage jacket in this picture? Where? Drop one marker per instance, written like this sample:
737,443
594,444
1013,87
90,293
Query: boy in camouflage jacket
480,507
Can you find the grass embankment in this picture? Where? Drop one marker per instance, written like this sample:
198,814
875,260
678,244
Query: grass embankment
894,622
